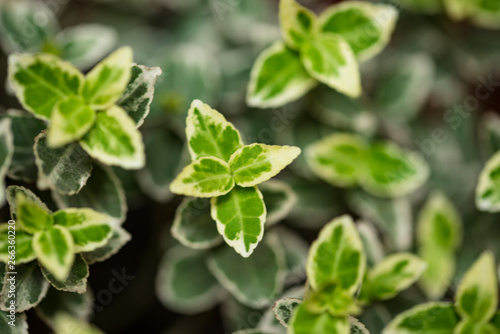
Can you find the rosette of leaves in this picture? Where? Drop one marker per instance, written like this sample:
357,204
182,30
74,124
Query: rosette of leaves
474,311
228,172
323,49
381,168
93,116
24,31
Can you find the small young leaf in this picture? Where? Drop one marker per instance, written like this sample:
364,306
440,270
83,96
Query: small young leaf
329,59
278,77
21,326
118,239
185,284
30,288
209,134
297,23
12,196
337,256
205,177
487,190
357,327
392,275
240,217
23,246
305,322
6,153
31,216
71,119
65,170
105,84
279,198
79,305
76,280
283,309
365,26
42,81
138,95
257,163
193,225
334,300
426,318
64,321
477,294
254,281
54,249
114,140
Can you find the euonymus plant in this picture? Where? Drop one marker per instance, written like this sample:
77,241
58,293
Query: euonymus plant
325,48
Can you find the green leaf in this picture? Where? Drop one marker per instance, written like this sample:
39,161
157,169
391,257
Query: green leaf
278,77
65,170
205,177
42,81
357,327
54,249
30,287
118,239
487,190
283,309
6,153
114,140
365,26
334,300
12,197
85,44
279,198
486,14
193,225
329,59
24,128
392,275
184,283
305,322
297,23
472,327
138,95
209,134
31,216
21,325
424,6
426,318
253,281
458,9
90,229
76,280
240,217
63,321
371,243
23,248
439,235
337,257
295,255
105,84
477,294
253,331
257,163
103,193
79,305
71,119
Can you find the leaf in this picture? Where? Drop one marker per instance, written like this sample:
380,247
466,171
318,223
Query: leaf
425,318
305,322
329,59
470,326
90,229
253,281
337,256
390,276
357,327
283,309
118,239
41,81
65,170
21,325
487,190
63,321
439,235
78,305
193,225
76,280
54,249
6,153
279,199
365,26
106,82
205,177
253,331
477,294
297,23
240,217
334,300
257,163
209,134
23,248
13,193
31,216
138,95
85,44
184,283
295,255
371,243
114,140
103,193
24,129
30,287
278,78
71,119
